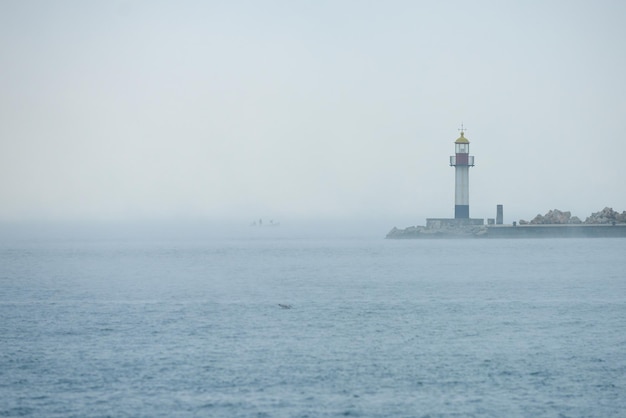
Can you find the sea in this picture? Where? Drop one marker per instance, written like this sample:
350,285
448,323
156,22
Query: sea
273,325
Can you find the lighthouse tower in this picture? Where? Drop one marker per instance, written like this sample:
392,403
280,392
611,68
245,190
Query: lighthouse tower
461,162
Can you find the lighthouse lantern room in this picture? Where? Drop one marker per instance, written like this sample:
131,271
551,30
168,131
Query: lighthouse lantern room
461,162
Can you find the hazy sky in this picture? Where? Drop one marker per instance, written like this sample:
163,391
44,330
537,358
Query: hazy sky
309,109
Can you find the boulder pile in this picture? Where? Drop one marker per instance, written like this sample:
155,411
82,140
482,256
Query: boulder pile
605,216
555,217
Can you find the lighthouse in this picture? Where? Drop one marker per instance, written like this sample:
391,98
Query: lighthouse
461,161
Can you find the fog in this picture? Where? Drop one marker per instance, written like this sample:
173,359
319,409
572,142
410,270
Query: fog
305,112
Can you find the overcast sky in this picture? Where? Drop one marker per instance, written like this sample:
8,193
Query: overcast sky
292,110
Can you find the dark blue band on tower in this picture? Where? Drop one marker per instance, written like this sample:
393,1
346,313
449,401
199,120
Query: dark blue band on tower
461,211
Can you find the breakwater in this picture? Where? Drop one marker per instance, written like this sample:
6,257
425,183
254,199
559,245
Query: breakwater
557,231
510,231
606,223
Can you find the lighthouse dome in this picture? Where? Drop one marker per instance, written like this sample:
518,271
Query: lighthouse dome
462,139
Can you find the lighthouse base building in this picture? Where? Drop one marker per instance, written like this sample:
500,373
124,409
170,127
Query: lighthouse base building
436,223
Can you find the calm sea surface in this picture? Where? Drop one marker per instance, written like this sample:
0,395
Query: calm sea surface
377,328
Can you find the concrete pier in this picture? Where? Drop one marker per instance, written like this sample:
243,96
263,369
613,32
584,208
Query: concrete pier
557,231
508,231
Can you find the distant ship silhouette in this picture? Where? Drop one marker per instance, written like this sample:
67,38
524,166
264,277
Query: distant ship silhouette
260,223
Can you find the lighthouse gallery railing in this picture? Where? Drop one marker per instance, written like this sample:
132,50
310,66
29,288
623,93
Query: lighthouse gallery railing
469,160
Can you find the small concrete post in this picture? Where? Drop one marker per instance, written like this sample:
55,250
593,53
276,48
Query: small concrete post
499,215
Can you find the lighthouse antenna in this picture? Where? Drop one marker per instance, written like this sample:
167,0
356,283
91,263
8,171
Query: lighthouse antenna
462,129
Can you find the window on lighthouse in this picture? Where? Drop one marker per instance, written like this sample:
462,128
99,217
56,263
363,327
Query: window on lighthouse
462,148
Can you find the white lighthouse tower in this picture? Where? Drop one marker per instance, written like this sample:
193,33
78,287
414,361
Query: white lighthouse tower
461,162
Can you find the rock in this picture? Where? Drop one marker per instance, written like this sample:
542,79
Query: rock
440,231
606,216
552,217
480,232
410,232
393,232
537,220
555,216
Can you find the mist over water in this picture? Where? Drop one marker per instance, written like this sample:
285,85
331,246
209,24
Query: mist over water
180,325
195,229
